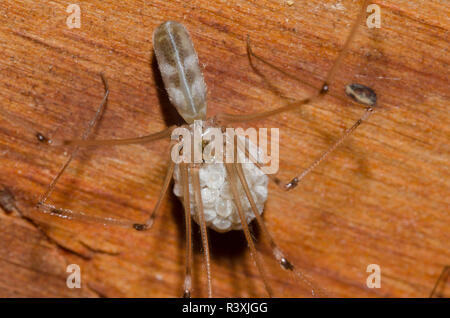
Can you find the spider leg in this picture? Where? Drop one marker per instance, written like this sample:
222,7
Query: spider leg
277,252
244,149
83,142
114,142
76,215
44,207
223,118
272,87
256,257
8,204
201,217
294,182
187,213
167,178
443,278
74,151
66,213
80,216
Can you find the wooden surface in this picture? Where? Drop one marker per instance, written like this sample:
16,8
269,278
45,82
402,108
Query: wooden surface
381,199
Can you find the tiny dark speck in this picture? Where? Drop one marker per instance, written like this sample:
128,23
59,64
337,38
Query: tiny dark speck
41,138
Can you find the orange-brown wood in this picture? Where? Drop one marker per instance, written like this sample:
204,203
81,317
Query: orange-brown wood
382,198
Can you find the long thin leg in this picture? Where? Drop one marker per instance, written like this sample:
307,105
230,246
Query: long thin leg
223,118
251,55
66,213
115,142
248,155
187,213
272,87
233,185
86,134
294,182
443,277
167,178
201,216
76,215
277,252
8,204
81,216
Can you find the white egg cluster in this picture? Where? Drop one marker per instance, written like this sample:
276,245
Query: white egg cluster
219,208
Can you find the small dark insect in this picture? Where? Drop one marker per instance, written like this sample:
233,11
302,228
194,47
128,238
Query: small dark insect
361,94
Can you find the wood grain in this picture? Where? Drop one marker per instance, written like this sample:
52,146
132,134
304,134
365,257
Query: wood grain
382,198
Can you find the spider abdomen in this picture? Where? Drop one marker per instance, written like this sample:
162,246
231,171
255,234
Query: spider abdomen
180,71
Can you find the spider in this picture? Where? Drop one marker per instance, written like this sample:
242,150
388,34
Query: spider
183,79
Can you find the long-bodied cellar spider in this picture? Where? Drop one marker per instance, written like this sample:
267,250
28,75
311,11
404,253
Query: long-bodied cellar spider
380,199
184,81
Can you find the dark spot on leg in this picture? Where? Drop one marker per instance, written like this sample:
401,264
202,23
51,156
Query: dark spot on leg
41,138
286,264
291,185
55,211
325,88
139,227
